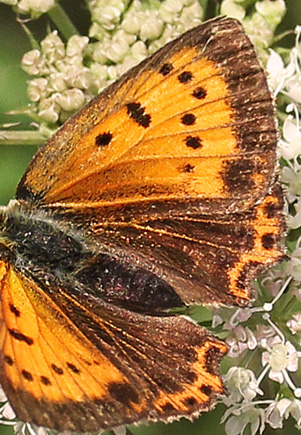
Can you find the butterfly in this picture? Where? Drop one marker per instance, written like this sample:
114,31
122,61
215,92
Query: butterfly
161,193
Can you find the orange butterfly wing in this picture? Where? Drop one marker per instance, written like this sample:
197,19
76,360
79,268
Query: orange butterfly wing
83,369
193,123
207,259
189,131
160,192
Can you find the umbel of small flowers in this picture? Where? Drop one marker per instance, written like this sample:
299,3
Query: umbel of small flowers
64,75
279,359
271,329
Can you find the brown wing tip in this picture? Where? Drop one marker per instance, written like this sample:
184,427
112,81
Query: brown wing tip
200,394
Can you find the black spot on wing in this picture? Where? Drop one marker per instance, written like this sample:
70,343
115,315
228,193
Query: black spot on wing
57,370
137,113
124,393
187,168
45,381
193,142
191,376
8,360
165,69
20,337
185,77
272,209
188,119
168,408
206,389
103,139
14,310
73,368
199,93
189,401
268,241
27,375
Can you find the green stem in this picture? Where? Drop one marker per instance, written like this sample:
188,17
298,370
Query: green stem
19,137
204,5
34,43
62,21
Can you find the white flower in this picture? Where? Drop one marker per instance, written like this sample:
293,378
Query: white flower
242,418
281,357
271,10
33,62
277,411
57,82
241,340
276,71
294,324
273,280
291,176
70,100
291,145
53,47
76,45
10,2
49,110
217,319
7,412
36,7
38,89
191,16
21,428
232,9
240,315
108,16
241,385
3,397
132,22
231,317
266,336
152,28
236,348
294,264
169,9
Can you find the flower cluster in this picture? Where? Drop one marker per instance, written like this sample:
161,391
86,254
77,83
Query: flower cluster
63,83
120,36
33,7
269,331
261,23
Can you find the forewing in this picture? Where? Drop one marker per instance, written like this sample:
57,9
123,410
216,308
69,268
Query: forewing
194,123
